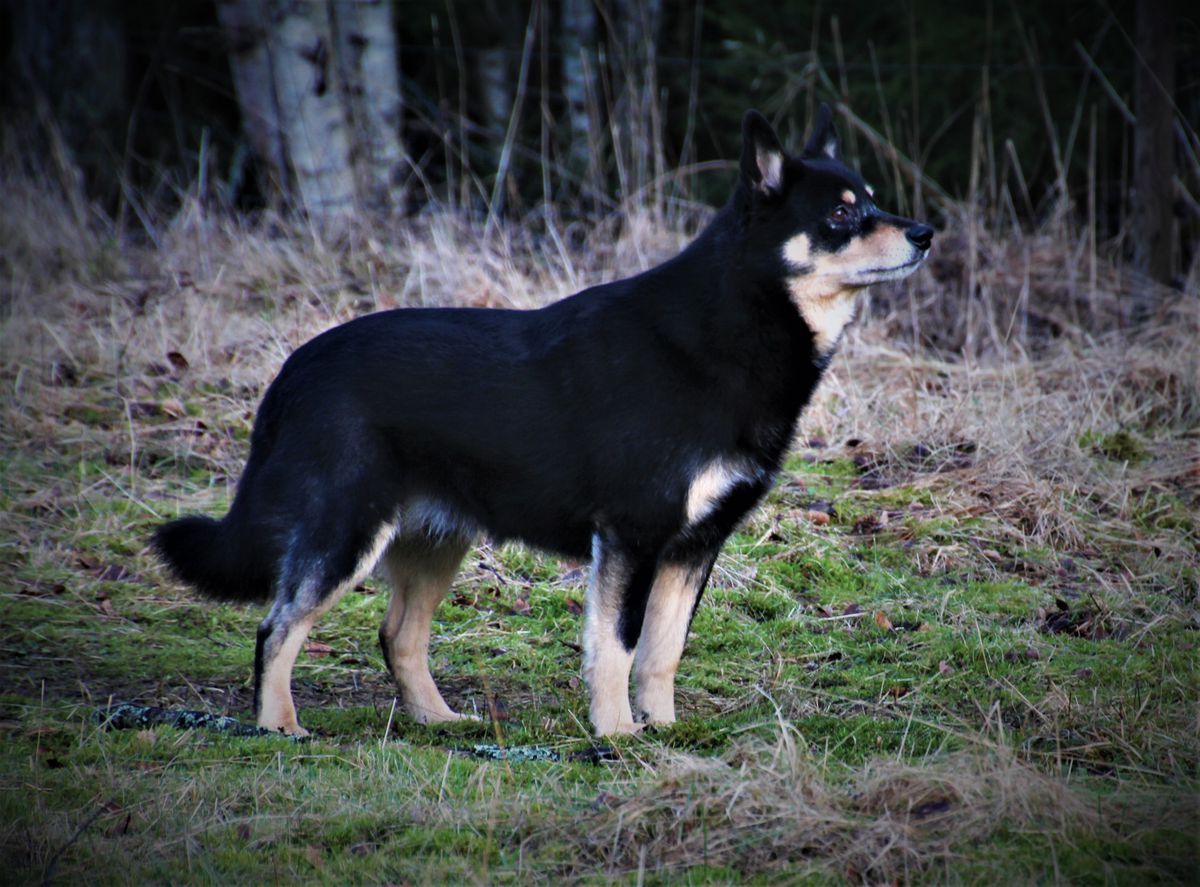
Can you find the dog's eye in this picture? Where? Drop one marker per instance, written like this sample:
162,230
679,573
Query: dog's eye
840,214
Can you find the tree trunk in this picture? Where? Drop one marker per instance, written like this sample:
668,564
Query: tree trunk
247,29
367,60
321,113
1154,141
314,123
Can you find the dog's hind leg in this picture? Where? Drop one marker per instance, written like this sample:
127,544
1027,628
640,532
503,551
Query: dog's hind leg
612,620
420,571
669,610
308,586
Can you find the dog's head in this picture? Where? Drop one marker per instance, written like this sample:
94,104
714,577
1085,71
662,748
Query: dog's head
819,219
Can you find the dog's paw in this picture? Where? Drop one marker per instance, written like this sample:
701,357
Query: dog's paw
292,729
429,717
621,728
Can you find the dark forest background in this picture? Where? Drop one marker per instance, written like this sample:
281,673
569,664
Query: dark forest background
1024,108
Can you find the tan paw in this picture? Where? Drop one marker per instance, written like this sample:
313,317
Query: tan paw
288,728
621,728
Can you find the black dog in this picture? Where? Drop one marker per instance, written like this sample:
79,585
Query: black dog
636,422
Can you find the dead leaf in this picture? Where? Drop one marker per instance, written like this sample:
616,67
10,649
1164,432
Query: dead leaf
147,737
173,408
317,649
178,360
520,607
819,518
313,855
882,620
852,610
945,668
574,607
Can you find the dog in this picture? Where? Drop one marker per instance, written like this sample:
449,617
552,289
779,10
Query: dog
634,423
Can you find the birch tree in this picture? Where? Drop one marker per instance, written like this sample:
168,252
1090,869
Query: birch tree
318,85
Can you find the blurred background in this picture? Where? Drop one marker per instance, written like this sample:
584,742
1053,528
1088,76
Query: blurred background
1022,112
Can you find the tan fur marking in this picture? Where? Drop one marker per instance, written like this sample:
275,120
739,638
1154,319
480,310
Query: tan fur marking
826,294
664,633
606,662
277,710
709,485
420,576
797,251
849,197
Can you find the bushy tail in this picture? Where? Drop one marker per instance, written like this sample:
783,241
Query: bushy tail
215,558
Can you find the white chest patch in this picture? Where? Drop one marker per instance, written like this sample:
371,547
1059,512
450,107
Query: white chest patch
826,316
709,485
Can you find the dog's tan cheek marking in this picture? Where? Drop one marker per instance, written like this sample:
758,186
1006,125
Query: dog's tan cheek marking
848,197
664,634
797,251
708,487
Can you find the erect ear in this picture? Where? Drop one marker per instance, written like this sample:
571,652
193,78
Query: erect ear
762,155
824,139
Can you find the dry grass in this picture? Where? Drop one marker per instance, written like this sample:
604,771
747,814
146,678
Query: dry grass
764,809
145,357
761,808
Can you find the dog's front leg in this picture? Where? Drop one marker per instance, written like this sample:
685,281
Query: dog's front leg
613,612
672,603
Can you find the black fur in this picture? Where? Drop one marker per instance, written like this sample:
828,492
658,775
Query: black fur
587,418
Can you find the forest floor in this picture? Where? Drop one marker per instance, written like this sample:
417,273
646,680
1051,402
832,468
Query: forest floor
956,643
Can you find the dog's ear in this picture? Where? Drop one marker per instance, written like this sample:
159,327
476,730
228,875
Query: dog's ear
762,155
824,139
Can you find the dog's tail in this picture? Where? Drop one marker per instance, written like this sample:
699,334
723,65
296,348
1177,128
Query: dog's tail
215,557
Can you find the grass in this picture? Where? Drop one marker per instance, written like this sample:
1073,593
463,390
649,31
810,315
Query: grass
958,641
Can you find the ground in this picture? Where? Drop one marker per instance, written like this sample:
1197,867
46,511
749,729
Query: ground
957,642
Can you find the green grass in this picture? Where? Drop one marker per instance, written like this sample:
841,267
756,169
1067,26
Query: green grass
839,635
962,649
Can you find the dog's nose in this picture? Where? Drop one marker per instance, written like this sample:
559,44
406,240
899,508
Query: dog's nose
920,236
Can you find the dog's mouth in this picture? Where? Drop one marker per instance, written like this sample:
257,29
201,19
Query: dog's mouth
895,272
